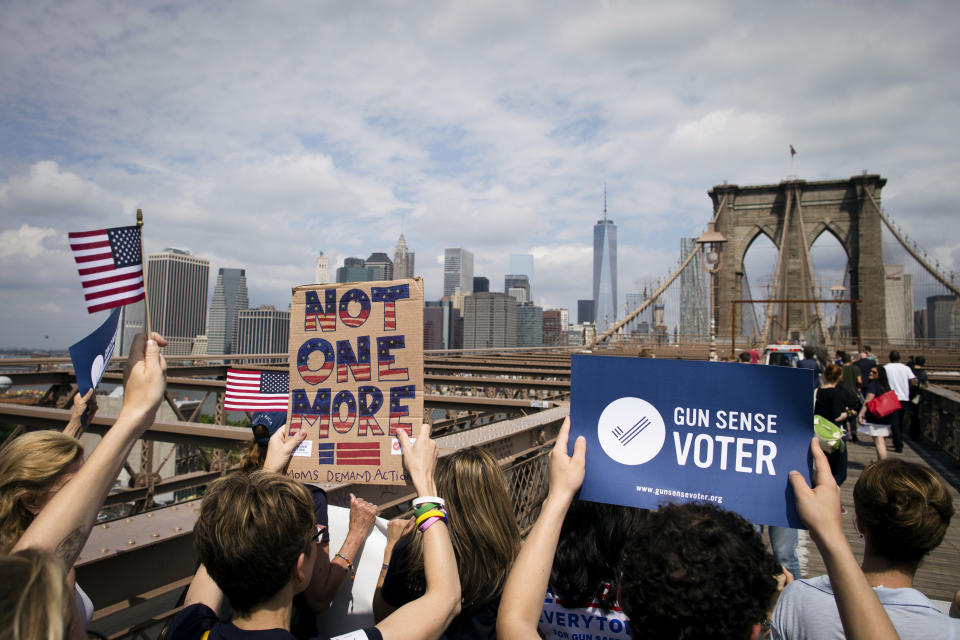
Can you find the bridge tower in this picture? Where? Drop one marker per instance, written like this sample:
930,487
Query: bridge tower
793,214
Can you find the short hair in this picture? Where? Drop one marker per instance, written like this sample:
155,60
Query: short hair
833,372
589,551
29,466
808,351
744,356
904,508
34,599
894,356
866,348
920,361
251,530
844,356
695,570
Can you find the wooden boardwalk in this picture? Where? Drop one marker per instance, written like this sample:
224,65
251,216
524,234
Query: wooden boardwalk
939,575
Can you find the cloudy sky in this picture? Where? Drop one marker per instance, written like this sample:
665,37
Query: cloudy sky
258,134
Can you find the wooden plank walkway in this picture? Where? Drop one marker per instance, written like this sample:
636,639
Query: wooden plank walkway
939,575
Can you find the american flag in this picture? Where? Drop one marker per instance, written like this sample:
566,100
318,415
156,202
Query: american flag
256,390
110,265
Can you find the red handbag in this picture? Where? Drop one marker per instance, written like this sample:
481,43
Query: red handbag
884,404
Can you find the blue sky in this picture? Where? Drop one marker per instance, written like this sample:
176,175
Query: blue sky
258,134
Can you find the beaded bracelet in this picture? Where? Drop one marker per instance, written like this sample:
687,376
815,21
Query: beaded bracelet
349,562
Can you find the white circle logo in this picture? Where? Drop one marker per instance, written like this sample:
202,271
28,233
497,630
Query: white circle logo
96,370
631,431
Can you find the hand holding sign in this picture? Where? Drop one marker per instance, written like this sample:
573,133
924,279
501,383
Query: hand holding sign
819,507
84,410
566,472
280,448
420,458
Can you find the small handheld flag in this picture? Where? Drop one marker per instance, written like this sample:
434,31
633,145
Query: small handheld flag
256,390
110,263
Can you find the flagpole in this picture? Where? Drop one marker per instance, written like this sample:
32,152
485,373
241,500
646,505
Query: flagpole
143,267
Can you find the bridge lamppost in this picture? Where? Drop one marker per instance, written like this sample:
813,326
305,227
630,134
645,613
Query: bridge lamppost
837,292
711,240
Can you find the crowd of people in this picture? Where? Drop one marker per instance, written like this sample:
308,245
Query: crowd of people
458,567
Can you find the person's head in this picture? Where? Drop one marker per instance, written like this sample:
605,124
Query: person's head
589,551
832,373
264,424
33,467
878,375
695,570
894,356
34,599
255,534
808,352
903,510
920,361
845,357
866,351
744,357
483,526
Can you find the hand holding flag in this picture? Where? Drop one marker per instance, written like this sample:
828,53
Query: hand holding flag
110,263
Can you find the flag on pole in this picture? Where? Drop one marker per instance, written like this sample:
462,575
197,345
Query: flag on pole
111,266
257,390
793,151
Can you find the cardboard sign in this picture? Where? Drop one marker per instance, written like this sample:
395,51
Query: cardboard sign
91,355
661,431
356,378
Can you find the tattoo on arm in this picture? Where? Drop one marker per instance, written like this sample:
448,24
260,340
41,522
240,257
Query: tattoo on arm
69,548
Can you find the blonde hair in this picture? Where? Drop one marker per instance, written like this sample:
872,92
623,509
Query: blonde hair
29,466
35,603
483,527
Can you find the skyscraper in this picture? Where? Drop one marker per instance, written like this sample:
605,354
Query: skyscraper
522,263
353,270
480,284
489,321
322,273
529,325
263,330
402,260
177,285
519,281
604,270
457,271
229,296
380,266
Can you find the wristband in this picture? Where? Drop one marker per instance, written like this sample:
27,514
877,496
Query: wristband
419,501
429,522
433,513
427,506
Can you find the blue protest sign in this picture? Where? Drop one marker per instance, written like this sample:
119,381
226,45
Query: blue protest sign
661,431
91,355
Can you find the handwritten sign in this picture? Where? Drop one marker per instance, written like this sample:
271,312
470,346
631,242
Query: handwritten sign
356,378
661,431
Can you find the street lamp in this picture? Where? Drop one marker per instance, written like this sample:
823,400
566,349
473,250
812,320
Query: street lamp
837,292
711,240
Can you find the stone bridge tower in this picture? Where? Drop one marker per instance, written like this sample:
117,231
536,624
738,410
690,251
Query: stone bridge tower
793,214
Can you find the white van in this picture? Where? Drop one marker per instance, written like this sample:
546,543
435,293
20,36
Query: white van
783,355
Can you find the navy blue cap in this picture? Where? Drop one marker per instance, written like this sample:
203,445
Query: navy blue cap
272,420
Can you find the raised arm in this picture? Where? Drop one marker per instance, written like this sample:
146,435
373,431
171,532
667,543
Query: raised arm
862,615
64,523
426,617
526,585
397,529
81,403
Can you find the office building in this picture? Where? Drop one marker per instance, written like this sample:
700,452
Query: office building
554,328
522,263
517,281
694,321
489,321
442,326
353,270
584,311
480,284
131,323
380,266
229,296
321,274
604,271
529,325
402,260
263,330
943,316
898,297
177,286
457,271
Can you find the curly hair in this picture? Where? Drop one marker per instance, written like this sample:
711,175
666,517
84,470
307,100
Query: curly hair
29,466
588,554
251,530
904,509
696,571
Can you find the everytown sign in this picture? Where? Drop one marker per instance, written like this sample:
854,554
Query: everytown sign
661,431
356,378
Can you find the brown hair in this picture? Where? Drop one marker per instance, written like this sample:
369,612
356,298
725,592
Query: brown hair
904,509
832,373
251,530
483,527
35,603
29,466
